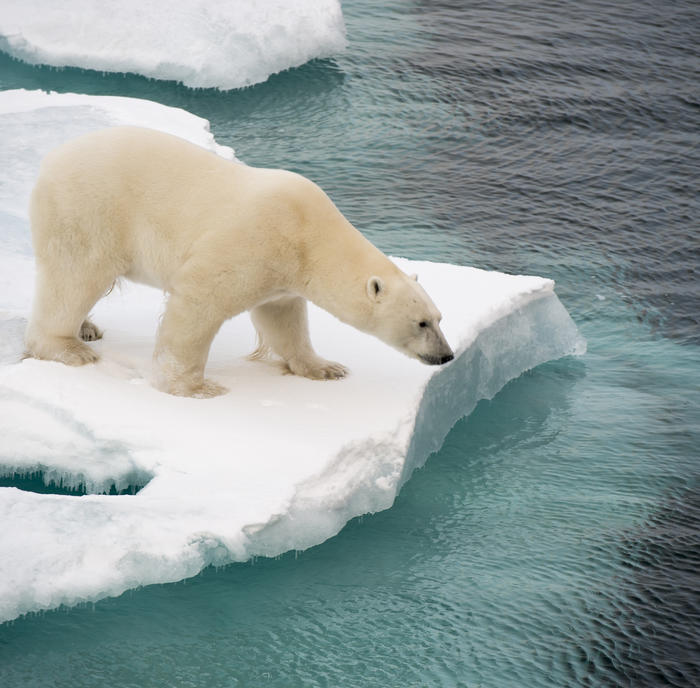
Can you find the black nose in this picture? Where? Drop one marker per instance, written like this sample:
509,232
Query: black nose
446,358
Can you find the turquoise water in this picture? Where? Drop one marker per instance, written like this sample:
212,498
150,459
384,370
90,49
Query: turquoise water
554,540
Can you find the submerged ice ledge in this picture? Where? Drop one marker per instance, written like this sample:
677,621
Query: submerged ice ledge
279,463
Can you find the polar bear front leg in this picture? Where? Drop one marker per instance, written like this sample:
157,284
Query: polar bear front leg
283,327
182,348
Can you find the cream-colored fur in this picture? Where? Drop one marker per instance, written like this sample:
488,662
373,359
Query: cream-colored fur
221,238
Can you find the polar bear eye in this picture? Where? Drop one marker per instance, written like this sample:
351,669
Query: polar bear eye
422,323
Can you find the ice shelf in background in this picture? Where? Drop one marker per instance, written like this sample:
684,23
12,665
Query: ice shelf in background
278,463
202,44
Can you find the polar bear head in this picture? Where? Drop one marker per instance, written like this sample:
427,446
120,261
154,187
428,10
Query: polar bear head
405,317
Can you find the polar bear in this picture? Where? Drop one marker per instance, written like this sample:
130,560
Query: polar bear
220,238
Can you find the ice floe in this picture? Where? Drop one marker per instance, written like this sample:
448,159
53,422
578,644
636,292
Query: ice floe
278,463
200,43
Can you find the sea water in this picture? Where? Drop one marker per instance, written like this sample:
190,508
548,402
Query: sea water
554,540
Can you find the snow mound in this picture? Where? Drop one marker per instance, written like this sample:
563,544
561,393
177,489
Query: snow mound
278,463
202,44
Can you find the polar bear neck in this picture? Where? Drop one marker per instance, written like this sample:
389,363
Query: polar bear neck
334,261
340,264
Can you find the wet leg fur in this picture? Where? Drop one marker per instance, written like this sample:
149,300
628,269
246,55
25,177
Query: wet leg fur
283,328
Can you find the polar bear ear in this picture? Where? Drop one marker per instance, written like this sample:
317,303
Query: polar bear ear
414,277
375,287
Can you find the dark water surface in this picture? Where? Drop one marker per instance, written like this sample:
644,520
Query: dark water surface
555,538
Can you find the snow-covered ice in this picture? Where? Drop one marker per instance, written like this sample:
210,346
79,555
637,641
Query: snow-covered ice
198,42
278,463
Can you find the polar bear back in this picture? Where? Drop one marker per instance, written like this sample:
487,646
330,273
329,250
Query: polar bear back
149,197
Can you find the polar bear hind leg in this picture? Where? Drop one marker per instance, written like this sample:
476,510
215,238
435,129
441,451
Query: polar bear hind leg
283,328
62,300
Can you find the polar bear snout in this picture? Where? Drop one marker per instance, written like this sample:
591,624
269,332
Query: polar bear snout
436,360
434,349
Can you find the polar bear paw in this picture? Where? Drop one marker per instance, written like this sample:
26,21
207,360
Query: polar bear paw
89,332
317,369
68,350
77,354
207,390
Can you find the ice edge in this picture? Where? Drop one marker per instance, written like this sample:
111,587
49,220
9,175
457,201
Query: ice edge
540,330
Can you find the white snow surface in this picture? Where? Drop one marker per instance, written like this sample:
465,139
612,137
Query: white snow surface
198,42
278,463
